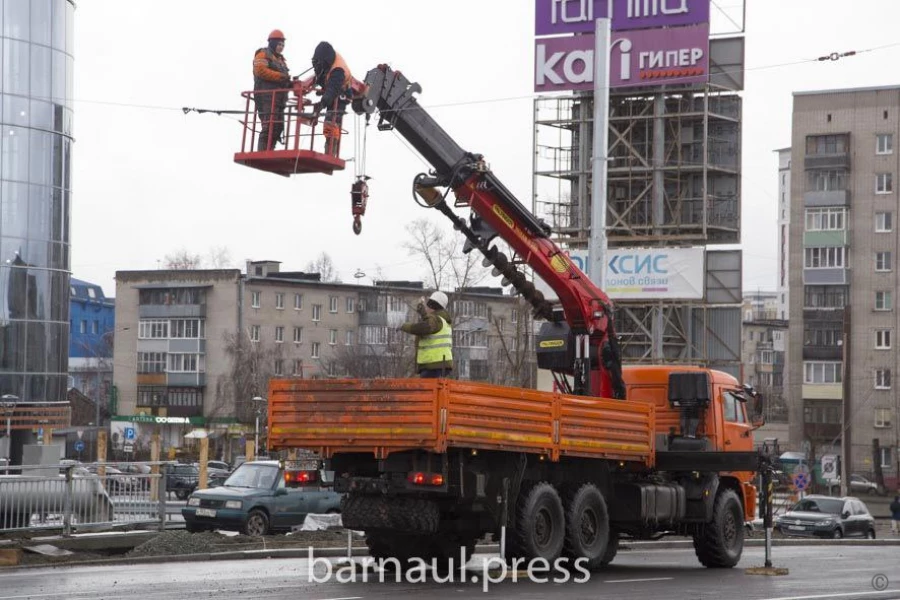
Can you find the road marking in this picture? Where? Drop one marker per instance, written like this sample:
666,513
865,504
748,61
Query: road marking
847,595
638,580
52,595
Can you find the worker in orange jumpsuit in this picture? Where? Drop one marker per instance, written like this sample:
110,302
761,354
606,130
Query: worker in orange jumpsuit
271,80
333,76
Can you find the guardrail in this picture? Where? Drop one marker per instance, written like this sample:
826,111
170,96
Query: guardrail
83,497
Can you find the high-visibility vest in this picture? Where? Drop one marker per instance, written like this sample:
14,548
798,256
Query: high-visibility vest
437,347
340,63
274,62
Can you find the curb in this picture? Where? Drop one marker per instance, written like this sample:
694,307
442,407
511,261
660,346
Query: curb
363,551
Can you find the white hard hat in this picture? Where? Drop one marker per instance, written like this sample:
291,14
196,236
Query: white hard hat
440,298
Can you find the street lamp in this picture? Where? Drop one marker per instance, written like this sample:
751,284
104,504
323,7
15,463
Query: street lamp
256,442
8,404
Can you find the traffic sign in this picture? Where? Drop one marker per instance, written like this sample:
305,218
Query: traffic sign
801,481
79,446
129,433
829,467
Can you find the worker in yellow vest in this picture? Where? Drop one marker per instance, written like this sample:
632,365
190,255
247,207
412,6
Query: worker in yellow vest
434,337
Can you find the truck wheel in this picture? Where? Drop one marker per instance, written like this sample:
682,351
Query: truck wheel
540,524
612,548
720,542
587,524
257,524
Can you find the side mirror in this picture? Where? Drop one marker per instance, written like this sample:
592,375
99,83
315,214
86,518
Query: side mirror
758,414
845,514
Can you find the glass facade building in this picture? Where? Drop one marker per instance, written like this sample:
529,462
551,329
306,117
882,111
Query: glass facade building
36,87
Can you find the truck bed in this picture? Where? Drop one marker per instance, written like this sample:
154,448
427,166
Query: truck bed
382,416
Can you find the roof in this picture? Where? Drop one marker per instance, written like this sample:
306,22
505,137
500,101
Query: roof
882,88
172,284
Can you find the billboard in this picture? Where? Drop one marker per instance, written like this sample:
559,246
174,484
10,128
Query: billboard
648,273
555,17
644,57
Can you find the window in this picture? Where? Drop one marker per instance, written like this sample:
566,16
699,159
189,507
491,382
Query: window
95,326
188,328
884,183
254,333
825,219
826,181
883,301
821,372
351,305
882,379
882,418
332,304
470,339
821,336
826,144
298,301
279,301
298,367
298,335
884,222
767,357
373,335
734,409
83,328
317,312
884,143
885,457
279,367
255,299
186,363
151,362
332,336
883,261
825,258
152,329
883,339
348,338
279,335
314,349
824,296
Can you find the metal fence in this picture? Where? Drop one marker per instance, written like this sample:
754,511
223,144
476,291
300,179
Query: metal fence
83,497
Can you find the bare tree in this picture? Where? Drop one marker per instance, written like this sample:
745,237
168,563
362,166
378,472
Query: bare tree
252,364
324,266
390,359
445,264
183,260
219,257
514,361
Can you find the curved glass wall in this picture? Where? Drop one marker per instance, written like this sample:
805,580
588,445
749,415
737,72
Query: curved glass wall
36,74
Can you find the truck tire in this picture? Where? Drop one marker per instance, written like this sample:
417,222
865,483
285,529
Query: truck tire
587,524
539,528
612,548
720,542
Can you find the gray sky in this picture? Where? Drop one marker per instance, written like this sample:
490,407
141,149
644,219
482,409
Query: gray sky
148,181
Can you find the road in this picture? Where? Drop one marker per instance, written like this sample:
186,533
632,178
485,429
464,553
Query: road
826,573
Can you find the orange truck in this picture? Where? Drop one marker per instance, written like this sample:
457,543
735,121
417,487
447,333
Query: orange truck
429,466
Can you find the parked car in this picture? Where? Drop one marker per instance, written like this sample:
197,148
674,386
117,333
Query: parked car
260,498
827,517
182,480
860,485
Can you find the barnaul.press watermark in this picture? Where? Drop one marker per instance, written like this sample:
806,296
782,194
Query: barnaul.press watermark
491,570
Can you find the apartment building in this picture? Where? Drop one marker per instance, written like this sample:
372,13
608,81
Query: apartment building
193,348
843,276
763,350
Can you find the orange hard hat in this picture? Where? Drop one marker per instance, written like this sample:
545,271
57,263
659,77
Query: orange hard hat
276,35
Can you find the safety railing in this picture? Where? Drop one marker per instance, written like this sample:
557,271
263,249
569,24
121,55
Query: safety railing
84,497
297,129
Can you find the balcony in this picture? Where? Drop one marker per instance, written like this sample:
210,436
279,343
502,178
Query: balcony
167,311
822,353
826,239
186,379
827,198
829,276
822,432
839,160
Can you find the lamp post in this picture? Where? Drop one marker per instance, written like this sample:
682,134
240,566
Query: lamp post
256,440
9,402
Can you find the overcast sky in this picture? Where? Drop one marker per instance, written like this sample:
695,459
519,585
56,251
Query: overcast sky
149,179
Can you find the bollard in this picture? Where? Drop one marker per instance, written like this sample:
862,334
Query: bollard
204,460
249,451
101,455
48,436
67,502
163,492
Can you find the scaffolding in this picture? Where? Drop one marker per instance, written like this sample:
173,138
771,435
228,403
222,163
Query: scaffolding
674,179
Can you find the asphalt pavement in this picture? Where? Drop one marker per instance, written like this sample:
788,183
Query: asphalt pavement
816,573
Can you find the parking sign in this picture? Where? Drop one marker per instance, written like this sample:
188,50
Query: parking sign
129,433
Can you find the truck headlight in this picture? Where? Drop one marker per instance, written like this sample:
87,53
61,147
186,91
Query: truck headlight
194,501
236,504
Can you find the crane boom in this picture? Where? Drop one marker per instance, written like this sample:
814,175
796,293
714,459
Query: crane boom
587,336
